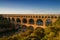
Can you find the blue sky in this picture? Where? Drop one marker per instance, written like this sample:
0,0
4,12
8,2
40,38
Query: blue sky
30,6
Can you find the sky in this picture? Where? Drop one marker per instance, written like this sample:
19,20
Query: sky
29,6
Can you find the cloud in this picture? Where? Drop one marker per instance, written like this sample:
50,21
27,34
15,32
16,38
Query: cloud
28,11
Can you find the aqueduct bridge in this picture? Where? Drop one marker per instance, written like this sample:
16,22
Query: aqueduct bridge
34,20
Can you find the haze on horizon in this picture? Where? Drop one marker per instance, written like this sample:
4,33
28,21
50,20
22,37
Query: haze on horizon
29,6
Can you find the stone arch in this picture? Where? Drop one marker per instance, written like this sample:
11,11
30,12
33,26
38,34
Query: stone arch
36,16
31,27
24,28
24,20
45,16
48,22
39,16
13,19
52,16
48,16
18,26
56,17
39,22
9,19
18,20
1,17
5,18
31,21
42,16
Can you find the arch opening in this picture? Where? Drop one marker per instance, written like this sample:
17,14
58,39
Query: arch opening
24,28
1,17
18,20
48,16
18,27
48,22
5,18
39,22
13,19
9,19
42,16
24,20
31,21
31,27
56,16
